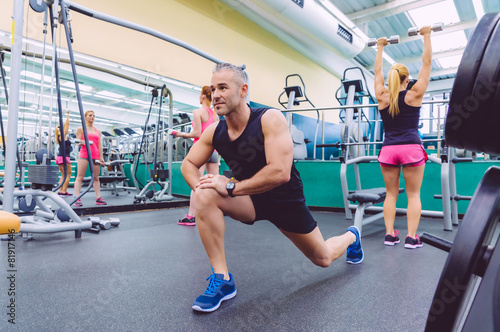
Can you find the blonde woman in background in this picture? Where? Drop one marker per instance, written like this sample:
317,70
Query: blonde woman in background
402,147
62,137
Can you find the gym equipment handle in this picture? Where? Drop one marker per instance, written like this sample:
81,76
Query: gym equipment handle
436,242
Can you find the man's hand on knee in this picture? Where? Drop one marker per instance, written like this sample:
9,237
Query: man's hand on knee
217,182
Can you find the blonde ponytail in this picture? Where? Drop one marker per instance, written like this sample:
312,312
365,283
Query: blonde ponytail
396,76
57,133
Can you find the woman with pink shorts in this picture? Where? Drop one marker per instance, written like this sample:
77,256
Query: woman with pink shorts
402,147
96,152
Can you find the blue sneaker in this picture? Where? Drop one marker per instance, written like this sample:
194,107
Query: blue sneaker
354,251
218,290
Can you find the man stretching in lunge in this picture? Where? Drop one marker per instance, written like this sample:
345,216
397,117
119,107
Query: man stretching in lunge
257,146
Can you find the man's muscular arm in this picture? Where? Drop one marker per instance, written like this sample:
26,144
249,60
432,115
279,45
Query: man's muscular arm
278,148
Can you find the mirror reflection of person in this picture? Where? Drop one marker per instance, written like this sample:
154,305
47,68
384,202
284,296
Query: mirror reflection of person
63,137
202,118
96,152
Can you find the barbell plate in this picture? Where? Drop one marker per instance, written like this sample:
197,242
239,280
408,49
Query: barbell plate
472,239
485,120
496,300
465,78
491,137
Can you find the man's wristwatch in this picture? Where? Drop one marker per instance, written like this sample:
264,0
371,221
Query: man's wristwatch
230,187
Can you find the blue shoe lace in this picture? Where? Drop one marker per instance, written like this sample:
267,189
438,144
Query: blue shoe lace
213,285
352,251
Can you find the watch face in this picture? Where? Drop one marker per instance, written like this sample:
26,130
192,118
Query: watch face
230,185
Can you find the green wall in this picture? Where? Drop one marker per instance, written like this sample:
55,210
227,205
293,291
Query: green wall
322,188
322,182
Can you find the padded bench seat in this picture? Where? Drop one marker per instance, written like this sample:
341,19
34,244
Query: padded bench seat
111,179
373,195
106,179
366,198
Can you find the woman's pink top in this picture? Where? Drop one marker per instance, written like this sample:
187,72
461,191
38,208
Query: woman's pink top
204,125
94,147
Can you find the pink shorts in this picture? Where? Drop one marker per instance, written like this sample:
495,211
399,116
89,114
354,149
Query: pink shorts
402,155
59,160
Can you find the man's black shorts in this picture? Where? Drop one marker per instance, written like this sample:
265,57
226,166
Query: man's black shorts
290,216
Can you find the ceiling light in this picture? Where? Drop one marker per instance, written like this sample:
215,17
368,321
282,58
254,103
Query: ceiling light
35,76
29,82
82,87
87,103
110,94
180,84
115,108
139,102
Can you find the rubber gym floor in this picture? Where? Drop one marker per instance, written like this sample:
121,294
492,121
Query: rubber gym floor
145,274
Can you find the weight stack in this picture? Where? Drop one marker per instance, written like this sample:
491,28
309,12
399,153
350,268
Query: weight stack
43,176
159,174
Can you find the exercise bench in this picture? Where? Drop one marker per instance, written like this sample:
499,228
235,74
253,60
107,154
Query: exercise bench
366,198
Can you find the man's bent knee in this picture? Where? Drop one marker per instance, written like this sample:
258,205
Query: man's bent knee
320,257
321,261
206,197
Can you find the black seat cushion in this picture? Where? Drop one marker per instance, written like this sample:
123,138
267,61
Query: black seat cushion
373,195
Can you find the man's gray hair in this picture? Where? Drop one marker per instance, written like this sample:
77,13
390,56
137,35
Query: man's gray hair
238,71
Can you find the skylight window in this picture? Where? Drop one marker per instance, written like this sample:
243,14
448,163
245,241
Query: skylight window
444,11
448,41
450,62
138,101
478,8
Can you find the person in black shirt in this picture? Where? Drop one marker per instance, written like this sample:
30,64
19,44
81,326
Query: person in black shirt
61,137
256,144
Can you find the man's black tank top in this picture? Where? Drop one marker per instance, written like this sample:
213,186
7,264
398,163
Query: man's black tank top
245,156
